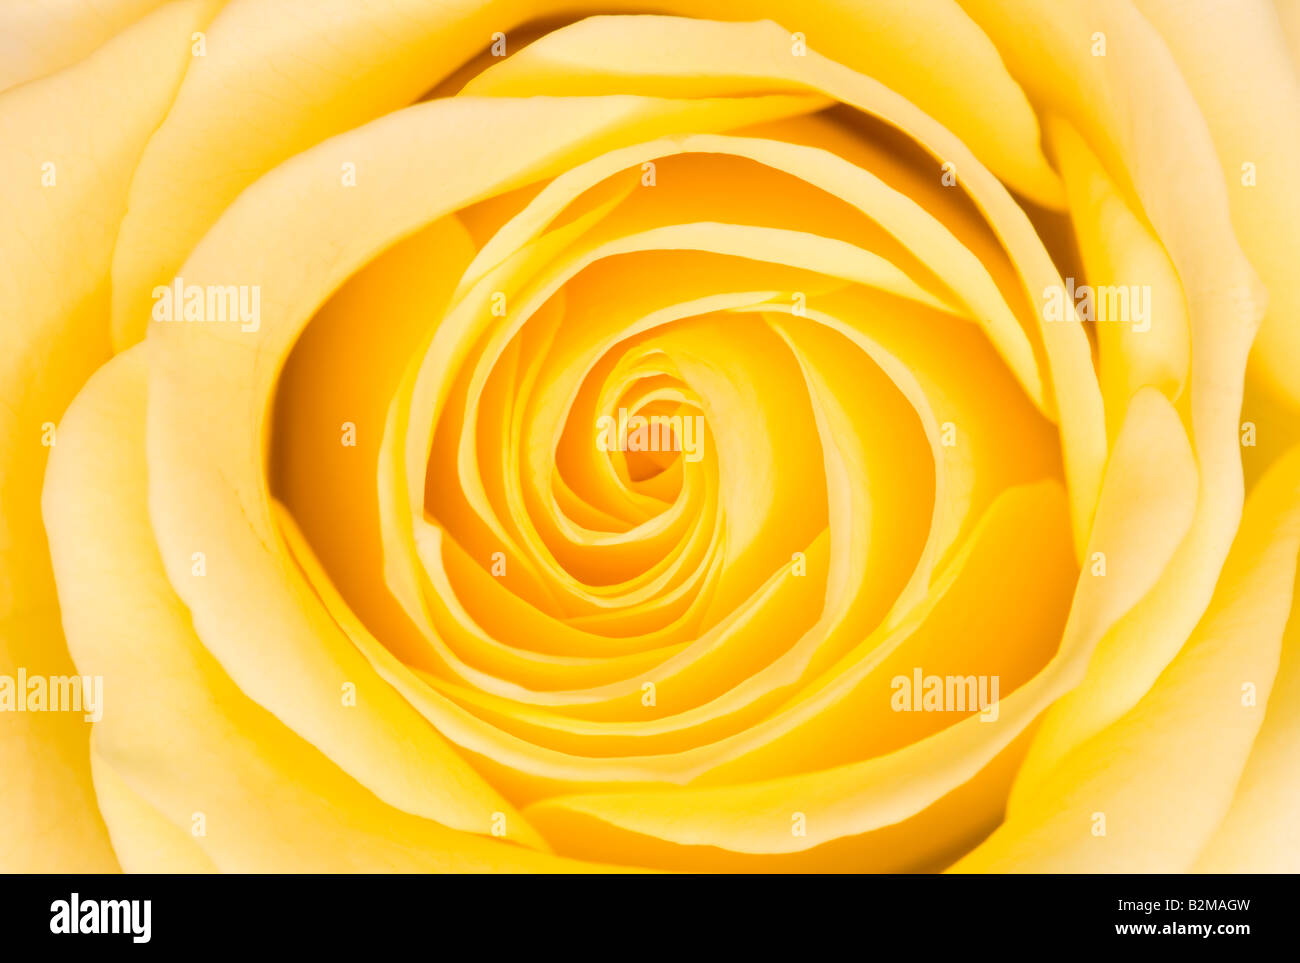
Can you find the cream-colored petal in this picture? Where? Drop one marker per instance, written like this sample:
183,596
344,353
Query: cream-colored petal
71,145
39,37
1236,63
1145,342
144,840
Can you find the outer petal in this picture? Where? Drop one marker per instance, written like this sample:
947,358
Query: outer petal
179,748
1134,110
38,37
281,76
1288,13
1119,248
1235,60
144,839
1261,833
1163,775
53,301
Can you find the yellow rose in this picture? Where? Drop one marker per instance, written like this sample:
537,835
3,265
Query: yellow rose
769,435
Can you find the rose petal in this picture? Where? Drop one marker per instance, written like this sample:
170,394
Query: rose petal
281,76
39,37
714,55
1163,775
269,801
1118,248
1235,61
1260,834
53,290
1134,110
1145,508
